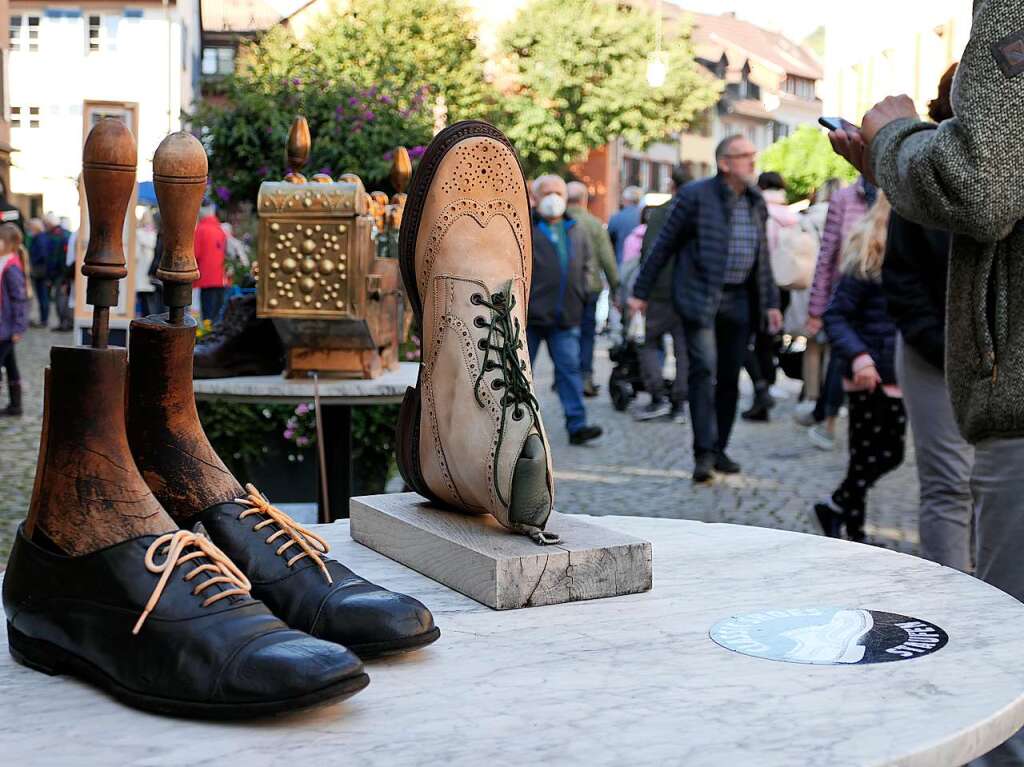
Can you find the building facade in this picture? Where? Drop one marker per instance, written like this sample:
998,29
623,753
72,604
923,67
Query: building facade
770,87
865,62
73,63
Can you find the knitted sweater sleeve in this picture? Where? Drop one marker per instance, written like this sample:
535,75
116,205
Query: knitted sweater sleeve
964,175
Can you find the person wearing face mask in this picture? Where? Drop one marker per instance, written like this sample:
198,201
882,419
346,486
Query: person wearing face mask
558,294
723,289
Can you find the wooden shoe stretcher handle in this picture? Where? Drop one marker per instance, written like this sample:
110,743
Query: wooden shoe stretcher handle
109,162
179,178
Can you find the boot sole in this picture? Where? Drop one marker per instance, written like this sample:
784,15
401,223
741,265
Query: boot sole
373,650
47,658
409,415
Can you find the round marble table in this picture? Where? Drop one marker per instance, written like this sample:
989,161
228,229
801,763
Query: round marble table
626,681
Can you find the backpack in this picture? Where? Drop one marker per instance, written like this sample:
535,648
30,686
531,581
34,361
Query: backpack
795,256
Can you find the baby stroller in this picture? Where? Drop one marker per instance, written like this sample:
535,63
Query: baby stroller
626,380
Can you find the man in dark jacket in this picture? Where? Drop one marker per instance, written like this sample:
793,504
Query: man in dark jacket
723,288
558,294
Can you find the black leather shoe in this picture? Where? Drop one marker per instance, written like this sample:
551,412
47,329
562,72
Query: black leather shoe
758,413
166,624
726,465
854,525
241,344
829,519
703,470
585,435
291,574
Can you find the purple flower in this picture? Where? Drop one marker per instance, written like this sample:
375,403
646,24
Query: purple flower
416,152
302,409
372,93
263,170
296,81
338,110
224,193
325,170
288,433
368,116
353,101
387,100
302,441
270,131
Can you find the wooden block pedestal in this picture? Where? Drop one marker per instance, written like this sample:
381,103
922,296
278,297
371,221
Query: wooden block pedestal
478,557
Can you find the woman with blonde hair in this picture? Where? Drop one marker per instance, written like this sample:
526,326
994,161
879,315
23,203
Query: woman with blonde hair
863,335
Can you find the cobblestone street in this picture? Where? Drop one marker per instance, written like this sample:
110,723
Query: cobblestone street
634,469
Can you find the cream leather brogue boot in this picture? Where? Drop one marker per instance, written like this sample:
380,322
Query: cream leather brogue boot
470,433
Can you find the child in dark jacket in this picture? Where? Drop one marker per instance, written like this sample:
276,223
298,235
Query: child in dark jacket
13,311
859,328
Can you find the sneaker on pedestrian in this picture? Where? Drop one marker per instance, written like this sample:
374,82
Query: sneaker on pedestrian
585,435
590,389
821,437
656,408
726,465
804,413
678,414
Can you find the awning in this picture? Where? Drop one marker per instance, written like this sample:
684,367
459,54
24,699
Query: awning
147,194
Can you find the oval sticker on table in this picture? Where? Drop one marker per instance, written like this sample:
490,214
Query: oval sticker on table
829,636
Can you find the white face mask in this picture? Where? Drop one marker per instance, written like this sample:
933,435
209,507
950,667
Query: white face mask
552,206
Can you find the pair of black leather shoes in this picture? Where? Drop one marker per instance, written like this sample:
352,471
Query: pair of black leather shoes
166,623
259,621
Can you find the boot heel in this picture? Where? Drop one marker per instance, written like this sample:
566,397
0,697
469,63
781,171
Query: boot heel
408,441
35,653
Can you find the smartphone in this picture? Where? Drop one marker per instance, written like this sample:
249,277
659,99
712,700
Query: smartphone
837,123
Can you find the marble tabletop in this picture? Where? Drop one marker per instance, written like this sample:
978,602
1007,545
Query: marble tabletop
388,388
626,681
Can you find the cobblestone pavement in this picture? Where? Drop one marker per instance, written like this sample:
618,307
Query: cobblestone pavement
640,469
19,437
643,469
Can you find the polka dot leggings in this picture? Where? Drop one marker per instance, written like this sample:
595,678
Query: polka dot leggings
878,428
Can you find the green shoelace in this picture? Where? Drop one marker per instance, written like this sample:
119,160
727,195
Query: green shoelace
501,352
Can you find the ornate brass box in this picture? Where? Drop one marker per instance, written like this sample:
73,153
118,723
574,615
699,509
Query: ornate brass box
337,305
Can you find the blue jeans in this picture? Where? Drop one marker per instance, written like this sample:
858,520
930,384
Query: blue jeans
42,288
211,303
716,356
832,394
588,330
564,348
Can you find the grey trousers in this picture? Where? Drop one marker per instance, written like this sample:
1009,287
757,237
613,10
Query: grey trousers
661,320
944,462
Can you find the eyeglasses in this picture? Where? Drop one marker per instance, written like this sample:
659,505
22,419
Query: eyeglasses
744,156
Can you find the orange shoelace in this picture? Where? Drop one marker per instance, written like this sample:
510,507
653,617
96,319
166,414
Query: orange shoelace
173,546
312,545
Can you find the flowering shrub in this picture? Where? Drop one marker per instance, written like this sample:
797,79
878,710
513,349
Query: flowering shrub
300,428
367,78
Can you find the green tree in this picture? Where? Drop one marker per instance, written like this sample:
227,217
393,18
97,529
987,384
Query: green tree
805,160
367,80
575,78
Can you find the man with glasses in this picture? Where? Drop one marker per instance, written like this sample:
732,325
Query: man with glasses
722,288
